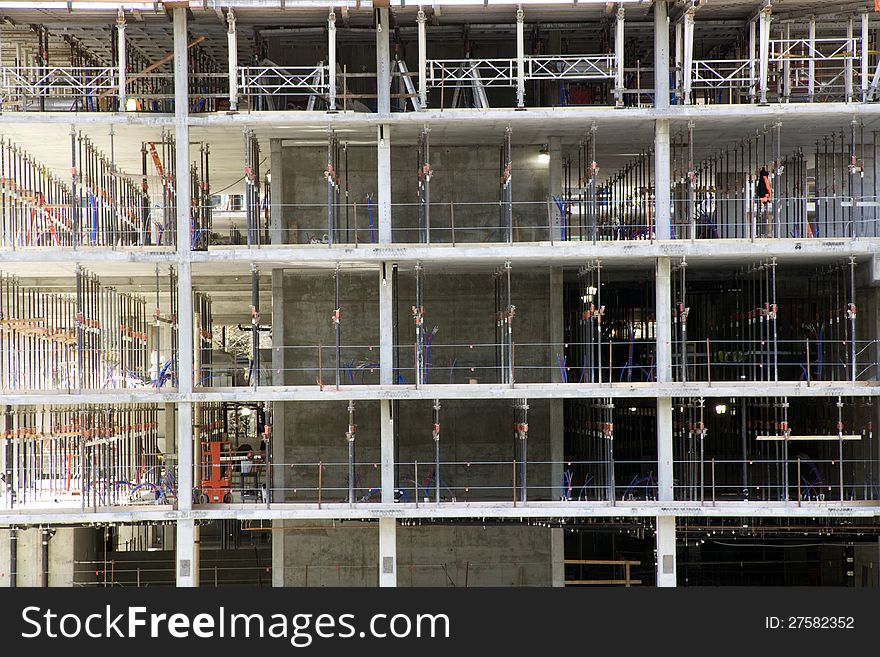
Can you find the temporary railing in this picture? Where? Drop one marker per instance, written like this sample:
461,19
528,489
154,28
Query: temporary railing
27,86
797,480
260,83
806,360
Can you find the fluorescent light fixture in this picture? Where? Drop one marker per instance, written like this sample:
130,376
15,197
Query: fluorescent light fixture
245,411
544,155
721,409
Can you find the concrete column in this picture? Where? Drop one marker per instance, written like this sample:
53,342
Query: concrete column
121,59
383,150
666,559
279,412
555,185
753,49
187,533
663,314
764,45
187,554
557,427
423,57
848,62
232,54
331,57
386,449
278,222
619,57
278,549
387,552
678,38
665,471
383,62
811,65
865,42
662,178
661,55
688,55
386,378
663,333
386,322
520,59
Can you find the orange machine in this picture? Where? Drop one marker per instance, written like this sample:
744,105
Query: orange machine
216,484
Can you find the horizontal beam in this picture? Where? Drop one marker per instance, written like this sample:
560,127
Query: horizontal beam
572,117
462,510
835,438
455,391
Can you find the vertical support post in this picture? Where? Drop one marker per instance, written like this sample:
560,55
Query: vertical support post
663,314
557,425
232,48
383,151
848,62
555,186
120,58
665,470
386,322
864,57
786,65
278,231
276,474
753,48
811,62
187,532
661,55
386,437
688,54
666,561
662,196
678,36
383,61
387,552
187,553
423,60
520,59
663,334
764,38
331,58
619,57
386,378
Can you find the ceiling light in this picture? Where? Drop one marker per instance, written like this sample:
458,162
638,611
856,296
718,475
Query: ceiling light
544,155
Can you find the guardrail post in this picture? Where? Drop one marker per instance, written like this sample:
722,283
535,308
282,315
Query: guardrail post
232,47
423,49
121,60
618,57
764,38
520,60
331,58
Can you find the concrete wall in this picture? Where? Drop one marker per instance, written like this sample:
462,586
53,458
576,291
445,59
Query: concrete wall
469,176
346,554
72,553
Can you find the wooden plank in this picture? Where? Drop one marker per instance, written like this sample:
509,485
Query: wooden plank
152,67
833,437
602,582
600,562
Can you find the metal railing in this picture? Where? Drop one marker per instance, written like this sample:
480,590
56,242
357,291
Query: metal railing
503,72
25,84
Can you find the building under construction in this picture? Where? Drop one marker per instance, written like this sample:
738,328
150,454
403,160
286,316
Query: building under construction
462,293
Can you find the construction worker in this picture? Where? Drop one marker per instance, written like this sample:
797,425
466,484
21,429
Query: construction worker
764,191
764,194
